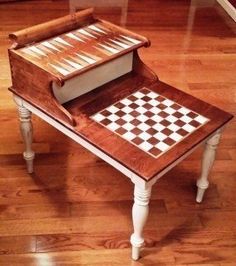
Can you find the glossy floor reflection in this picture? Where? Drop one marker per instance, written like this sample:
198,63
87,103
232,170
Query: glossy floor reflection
75,210
122,4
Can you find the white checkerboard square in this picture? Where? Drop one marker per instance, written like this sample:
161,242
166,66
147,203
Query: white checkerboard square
113,117
129,135
162,146
143,126
126,109
145,146
128,126
145,136
142,118
113,126
140,102
98,117
112,109
126,101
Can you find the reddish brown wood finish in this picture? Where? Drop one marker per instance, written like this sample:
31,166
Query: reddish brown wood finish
233,3
126,153
140,68
60,215
31,77
34,85
52,28
88,46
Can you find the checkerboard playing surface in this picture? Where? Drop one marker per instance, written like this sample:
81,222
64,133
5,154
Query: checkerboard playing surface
150,121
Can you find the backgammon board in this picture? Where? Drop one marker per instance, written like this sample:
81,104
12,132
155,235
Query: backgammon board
80,49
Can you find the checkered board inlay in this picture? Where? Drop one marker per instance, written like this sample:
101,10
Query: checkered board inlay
150,121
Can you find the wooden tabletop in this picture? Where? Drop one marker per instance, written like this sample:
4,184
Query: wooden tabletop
166,121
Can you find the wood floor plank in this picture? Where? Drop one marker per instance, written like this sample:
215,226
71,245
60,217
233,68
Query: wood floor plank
84,224
82,241
203,256
113,257
30,211
17,245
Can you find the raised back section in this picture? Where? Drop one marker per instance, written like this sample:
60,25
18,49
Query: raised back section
58,61
52,28
74,52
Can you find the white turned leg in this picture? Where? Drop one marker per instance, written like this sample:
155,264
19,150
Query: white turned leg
26,132
207,163
139,213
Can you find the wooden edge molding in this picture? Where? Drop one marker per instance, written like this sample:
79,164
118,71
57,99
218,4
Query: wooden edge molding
146,41
69,117
51,28
58,80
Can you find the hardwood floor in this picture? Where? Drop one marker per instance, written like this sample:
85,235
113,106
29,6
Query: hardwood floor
75,209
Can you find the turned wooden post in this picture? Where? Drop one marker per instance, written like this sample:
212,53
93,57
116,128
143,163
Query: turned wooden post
207,163
139,213
26,132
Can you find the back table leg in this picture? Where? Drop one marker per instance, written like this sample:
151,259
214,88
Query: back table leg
139,213
207,163
26,132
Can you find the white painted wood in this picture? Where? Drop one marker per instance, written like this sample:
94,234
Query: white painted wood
26,132
139,214
207,163
229,8
94,78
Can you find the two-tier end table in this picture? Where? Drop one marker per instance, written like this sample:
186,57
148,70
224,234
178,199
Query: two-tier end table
84,76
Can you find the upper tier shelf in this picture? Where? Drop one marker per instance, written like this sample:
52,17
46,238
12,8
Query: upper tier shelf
81,49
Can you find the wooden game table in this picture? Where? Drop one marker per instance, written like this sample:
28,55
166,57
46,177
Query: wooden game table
84,77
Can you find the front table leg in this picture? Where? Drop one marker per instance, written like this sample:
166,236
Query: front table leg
207,163
26,132
139,213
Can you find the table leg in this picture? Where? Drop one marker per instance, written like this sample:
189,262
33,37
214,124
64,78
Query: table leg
26,132
139,213
207,163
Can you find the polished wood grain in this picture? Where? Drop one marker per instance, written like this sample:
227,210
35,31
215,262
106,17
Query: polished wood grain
40,215
83,107
28,72
86,46
26,76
